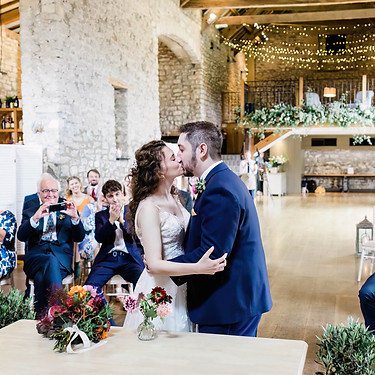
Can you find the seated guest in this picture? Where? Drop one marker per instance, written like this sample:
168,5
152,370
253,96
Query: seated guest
93,187
367,302
89,247
8,226
50,237
118,253
74,194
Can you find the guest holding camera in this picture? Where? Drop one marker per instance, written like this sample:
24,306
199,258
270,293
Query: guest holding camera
8,226
50,235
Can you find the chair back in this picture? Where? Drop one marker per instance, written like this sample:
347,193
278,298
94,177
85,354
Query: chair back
369,97
312,98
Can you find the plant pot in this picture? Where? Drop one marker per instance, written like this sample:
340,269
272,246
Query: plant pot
274,170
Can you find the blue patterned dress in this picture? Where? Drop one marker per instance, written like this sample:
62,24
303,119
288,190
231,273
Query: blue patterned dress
89,244
7,250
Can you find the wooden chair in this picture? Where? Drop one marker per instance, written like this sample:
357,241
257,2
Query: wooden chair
110,287
368,252
67,281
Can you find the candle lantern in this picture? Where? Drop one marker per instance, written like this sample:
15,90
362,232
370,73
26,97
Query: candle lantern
364,234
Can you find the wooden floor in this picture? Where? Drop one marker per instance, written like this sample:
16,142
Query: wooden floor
309,243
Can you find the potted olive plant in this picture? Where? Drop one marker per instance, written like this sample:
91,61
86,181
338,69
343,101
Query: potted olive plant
346,350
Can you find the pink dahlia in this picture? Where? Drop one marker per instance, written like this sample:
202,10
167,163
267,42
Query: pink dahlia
131,303
91,289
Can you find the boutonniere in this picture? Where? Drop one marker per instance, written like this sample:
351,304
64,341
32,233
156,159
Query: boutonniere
193,213
199,187
61,217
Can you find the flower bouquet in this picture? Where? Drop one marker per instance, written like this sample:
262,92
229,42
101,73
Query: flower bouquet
77,317
278,160
152,305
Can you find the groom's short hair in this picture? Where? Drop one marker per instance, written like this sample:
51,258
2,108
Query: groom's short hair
204,132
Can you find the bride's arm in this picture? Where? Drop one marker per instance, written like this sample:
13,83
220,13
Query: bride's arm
149,222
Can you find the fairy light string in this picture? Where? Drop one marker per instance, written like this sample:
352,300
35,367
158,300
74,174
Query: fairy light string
306,46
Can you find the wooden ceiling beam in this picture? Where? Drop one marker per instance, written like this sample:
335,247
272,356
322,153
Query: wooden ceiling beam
207,4
10,17
300,17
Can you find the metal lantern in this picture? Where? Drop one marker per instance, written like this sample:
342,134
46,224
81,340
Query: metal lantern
364,234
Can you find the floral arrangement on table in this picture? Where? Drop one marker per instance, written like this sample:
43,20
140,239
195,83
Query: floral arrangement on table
283,116
277,160
75,316
152,305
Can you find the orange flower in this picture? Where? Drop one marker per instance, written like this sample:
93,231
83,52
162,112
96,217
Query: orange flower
77,289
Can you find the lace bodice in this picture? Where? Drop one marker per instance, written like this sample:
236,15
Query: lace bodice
172,232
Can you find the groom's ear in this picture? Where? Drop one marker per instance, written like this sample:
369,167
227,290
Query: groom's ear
203,151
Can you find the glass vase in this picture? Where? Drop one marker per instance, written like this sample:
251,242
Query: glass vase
146,331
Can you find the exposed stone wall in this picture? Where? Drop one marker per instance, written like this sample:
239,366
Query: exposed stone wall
179,91
338,161
70,50
10,47
191,92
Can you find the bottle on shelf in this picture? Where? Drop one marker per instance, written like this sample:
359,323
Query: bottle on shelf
1,104
7,123
11,123
16,102
3,124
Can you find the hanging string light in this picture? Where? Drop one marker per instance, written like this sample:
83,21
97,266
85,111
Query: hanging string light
357,42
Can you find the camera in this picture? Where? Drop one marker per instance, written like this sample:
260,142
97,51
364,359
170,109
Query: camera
57,207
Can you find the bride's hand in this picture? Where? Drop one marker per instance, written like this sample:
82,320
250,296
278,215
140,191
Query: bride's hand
207,266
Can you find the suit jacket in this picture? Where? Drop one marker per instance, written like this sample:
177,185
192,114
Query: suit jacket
29,201
66,232
105,233
225,217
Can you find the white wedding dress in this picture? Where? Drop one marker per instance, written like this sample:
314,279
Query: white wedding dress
172,234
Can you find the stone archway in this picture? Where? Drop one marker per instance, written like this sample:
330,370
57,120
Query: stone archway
180,78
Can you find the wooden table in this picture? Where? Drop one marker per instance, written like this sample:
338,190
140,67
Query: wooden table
343,176
24,351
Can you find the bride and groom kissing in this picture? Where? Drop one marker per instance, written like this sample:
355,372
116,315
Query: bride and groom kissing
212,263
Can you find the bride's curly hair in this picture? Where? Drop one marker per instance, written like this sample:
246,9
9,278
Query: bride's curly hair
145,176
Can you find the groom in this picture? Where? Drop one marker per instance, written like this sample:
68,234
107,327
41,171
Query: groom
224,216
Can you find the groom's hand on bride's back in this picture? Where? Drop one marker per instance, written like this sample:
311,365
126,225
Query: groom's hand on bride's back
208,266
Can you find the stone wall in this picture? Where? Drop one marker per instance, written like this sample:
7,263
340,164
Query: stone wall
191,92
337,161
70,51
9,58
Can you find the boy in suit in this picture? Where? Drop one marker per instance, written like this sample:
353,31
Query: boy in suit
118,253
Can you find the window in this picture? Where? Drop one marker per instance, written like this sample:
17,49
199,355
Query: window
322,142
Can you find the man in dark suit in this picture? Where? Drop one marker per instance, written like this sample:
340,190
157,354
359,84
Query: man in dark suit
50,237
118,253
224,216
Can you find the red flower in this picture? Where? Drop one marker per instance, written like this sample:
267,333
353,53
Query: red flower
69,302
159,295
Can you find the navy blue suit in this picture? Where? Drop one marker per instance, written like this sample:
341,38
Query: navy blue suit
129,265
48,262
225,217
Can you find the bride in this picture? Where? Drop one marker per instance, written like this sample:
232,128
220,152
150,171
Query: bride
160,221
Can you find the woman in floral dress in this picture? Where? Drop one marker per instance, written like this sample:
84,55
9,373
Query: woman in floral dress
8,226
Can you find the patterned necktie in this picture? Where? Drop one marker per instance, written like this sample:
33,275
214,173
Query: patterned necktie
50,232
93,193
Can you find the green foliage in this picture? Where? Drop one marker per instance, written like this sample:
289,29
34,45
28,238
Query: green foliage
346,350
13,307
284,116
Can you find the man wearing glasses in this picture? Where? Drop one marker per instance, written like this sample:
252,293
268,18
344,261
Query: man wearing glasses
50,236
